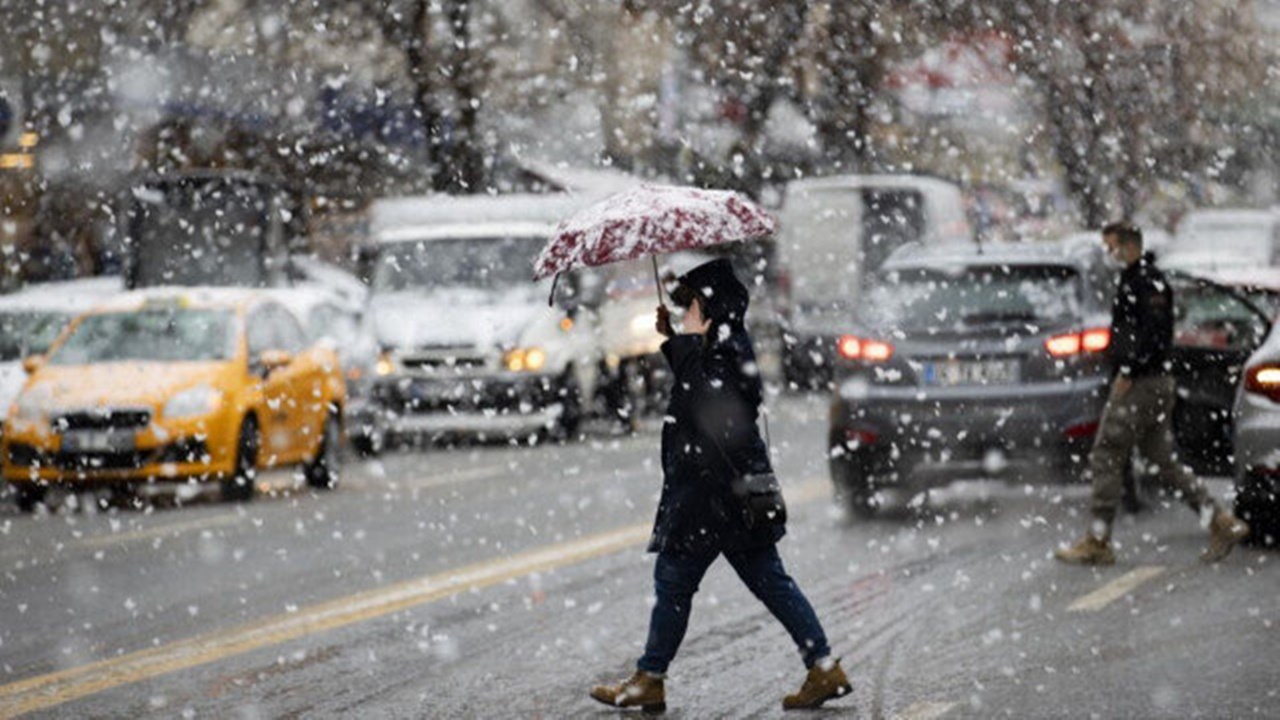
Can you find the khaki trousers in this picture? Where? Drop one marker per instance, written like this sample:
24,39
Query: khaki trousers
1142,419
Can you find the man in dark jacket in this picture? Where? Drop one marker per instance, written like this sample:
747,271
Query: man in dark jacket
709,438
1139,411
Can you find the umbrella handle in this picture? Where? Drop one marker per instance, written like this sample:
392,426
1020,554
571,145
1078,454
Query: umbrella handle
551,299
657,281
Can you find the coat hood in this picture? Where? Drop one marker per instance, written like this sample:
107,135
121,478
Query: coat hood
724,297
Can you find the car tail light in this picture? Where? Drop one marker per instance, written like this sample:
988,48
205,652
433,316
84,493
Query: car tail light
861,437
1096,340
1082,430
1089,341
1264,380
852,347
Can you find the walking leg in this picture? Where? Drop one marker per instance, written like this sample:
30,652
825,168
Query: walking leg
1110,457
762,571
675,581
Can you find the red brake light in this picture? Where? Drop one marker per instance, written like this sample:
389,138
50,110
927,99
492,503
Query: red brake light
1096,340
1264,380
1089,341
876,351
852,347
1063,345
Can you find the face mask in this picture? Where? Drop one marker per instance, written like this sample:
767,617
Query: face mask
1113,260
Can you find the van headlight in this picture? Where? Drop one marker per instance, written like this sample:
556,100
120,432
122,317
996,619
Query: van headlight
643,325
525,359
193,402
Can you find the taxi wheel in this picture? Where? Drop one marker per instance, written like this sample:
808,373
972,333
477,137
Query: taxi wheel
240,486
322,471
28,496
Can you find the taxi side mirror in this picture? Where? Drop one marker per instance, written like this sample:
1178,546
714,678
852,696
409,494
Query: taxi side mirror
271,360
32,363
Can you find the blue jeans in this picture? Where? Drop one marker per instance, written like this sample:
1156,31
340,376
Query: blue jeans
676,578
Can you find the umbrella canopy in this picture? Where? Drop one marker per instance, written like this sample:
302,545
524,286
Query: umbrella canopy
649,220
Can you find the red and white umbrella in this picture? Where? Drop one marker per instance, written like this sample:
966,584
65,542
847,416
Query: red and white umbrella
650,220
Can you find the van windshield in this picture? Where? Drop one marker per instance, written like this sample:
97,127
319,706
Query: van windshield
490,263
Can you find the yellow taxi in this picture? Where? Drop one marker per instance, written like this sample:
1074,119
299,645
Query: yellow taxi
176,385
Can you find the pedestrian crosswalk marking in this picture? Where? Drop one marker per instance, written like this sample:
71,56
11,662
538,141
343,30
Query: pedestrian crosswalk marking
53,689
925,710
1115,589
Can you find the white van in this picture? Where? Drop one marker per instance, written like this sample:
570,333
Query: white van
837,230
469,343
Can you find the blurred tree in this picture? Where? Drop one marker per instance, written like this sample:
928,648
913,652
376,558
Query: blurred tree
1132,91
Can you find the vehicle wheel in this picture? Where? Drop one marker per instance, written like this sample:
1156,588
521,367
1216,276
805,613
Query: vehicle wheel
855,488
29,495
570,419
240,486
1257,504
322,471
369,439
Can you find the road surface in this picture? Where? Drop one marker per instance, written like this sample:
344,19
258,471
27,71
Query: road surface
495,581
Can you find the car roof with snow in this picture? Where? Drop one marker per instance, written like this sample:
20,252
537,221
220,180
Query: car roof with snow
466,231
302,300
69,296
418,218
1242,216
196,297
871,181
961,254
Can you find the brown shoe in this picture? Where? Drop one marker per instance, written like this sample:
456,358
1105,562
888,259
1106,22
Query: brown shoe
825,681
641,690
1088,550
1225,532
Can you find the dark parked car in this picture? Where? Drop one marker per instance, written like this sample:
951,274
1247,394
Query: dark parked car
965,361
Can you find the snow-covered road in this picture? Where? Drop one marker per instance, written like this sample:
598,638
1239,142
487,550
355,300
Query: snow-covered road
503,582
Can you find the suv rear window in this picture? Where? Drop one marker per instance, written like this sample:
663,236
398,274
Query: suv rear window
971,296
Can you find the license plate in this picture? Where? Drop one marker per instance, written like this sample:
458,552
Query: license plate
430,391
87,441
953,373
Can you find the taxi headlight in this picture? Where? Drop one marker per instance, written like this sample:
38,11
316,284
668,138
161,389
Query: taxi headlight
193,402
525,359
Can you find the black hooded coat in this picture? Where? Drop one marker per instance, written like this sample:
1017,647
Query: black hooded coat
709,434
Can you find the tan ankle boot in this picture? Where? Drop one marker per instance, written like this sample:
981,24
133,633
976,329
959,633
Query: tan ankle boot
825,681
1225,532
641,690
1088,550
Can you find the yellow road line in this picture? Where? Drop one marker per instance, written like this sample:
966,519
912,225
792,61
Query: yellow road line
925,710
1115,589
46,691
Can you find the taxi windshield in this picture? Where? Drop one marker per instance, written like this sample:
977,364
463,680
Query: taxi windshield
150,334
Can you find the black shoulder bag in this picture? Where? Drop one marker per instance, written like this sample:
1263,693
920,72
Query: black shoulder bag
759,495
